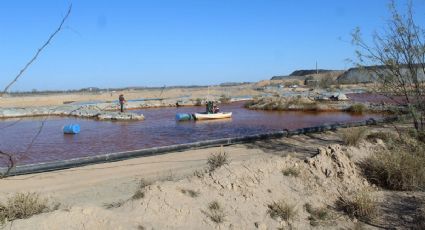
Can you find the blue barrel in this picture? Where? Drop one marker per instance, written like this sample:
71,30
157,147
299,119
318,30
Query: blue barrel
71,129
183,117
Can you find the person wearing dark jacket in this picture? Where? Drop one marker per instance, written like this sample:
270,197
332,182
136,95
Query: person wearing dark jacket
122,101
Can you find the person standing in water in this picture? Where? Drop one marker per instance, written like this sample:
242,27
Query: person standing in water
122,101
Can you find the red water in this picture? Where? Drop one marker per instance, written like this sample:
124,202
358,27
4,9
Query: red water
375,98
159,129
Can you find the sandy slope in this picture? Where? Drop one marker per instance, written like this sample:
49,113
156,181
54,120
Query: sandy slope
244,188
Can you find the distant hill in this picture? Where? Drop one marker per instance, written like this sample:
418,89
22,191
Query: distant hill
301,74
304,72
367,74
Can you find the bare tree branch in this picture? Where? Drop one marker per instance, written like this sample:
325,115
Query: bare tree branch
38,51
10,166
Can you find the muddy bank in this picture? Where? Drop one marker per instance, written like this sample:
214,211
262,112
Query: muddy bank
317,104
82,111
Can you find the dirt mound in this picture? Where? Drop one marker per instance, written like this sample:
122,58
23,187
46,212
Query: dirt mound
334,164
243,191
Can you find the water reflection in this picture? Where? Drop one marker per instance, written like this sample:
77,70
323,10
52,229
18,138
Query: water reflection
159,129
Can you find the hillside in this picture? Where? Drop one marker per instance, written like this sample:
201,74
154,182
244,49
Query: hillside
302,74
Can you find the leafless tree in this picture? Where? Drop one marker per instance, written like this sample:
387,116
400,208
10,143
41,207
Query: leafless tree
39,50
397,56
9,156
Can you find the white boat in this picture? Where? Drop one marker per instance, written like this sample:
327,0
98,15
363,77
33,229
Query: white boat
207,116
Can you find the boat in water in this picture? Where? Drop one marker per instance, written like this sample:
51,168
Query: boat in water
208,116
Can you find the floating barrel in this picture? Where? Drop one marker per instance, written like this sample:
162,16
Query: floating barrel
71,129
184,117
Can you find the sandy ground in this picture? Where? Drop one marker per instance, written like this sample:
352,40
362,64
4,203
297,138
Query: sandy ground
59,99
178,199
167,93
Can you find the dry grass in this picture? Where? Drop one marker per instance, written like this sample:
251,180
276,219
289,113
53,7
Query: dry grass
418,135
401,166
215,161
282,104
384,136
22,206
198,102
357,108
224,99
215,212
282,210
190,192
199,173
362,205
140,192
353,136
113,204
291,171
317,215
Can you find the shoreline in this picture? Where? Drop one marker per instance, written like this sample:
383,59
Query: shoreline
155,151
178,185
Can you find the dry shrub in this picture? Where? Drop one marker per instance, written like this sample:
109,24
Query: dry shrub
418,135
215,161
362,205
317,215
190,192
384,136
357,108
215,212
111,205
291,171
198,102
401,166
353,136
224,99
282,210
199,173
140,192
22,206
248,104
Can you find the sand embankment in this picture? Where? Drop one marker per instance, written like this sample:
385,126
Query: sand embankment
178,199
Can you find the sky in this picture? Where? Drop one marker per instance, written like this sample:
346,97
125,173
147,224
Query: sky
179,42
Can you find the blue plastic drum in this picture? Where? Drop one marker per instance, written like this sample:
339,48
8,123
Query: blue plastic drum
183,117
71,129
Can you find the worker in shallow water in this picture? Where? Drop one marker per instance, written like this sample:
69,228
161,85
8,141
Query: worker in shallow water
122,101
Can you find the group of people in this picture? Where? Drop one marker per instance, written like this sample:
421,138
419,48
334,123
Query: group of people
212,107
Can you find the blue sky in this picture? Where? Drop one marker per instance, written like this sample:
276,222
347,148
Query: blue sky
179,42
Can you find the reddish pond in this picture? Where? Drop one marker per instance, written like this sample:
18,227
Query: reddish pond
159,129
